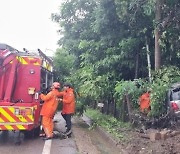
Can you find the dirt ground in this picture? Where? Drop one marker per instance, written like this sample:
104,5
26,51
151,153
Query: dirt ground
83,141
90,142
137,144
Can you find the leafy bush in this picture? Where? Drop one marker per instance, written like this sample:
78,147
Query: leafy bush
127,87
80,108
162,79
109,123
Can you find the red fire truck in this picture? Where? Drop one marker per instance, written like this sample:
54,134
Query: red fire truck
22,75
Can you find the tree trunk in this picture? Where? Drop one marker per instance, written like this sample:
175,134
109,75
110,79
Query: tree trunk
123,110
107,111
129,107
94,105
157,35
148,58
137,66
114,107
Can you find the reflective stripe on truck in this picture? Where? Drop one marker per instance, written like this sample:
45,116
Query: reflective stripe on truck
16,118
7,126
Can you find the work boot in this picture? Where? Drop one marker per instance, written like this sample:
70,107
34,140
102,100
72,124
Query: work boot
42,135
68,132
47,138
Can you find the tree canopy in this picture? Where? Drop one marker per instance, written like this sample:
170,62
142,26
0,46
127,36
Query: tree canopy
106,41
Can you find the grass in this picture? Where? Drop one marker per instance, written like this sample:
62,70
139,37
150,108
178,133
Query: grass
110,124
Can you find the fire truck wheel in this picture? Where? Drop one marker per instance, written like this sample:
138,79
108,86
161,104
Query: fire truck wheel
28,134
32,133
37,131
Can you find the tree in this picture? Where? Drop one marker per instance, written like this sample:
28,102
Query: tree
106,41
64,64
157,34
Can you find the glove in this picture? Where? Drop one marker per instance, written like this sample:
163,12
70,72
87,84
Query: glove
60,99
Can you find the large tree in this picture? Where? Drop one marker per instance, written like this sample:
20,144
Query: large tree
113,40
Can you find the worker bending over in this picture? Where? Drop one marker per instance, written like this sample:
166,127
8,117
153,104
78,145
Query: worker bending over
144,102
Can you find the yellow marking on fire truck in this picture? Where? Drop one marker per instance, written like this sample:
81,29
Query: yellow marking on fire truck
30,117
47,66
1,120
13,127
7,115
35,62
11,109
21,118
20,127
12,117
21,60
28,113
8,127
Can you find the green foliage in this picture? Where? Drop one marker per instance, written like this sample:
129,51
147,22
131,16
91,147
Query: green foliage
91,85
158,97
168,74
128,52
80,107
162,79
64,64
127,87
103,41
169,27
109,123
149,7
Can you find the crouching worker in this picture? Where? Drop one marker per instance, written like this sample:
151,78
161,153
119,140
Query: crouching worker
48,110
68,109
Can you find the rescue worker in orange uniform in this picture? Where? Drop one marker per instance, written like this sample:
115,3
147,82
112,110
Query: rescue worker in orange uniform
48,109
144,102
68,108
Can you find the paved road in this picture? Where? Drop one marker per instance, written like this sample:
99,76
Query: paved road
88,141
7,144
37,145
62,146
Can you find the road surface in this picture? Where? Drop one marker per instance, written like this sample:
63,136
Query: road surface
83,141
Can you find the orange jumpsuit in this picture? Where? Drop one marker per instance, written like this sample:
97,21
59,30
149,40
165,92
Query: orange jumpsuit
145,102
48,110
68,106
68,101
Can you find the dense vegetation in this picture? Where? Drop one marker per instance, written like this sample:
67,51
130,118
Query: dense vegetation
113,126
106,44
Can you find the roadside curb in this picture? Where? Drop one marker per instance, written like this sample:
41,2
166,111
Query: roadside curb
107,136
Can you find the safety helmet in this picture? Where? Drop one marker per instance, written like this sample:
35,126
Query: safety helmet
56,85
